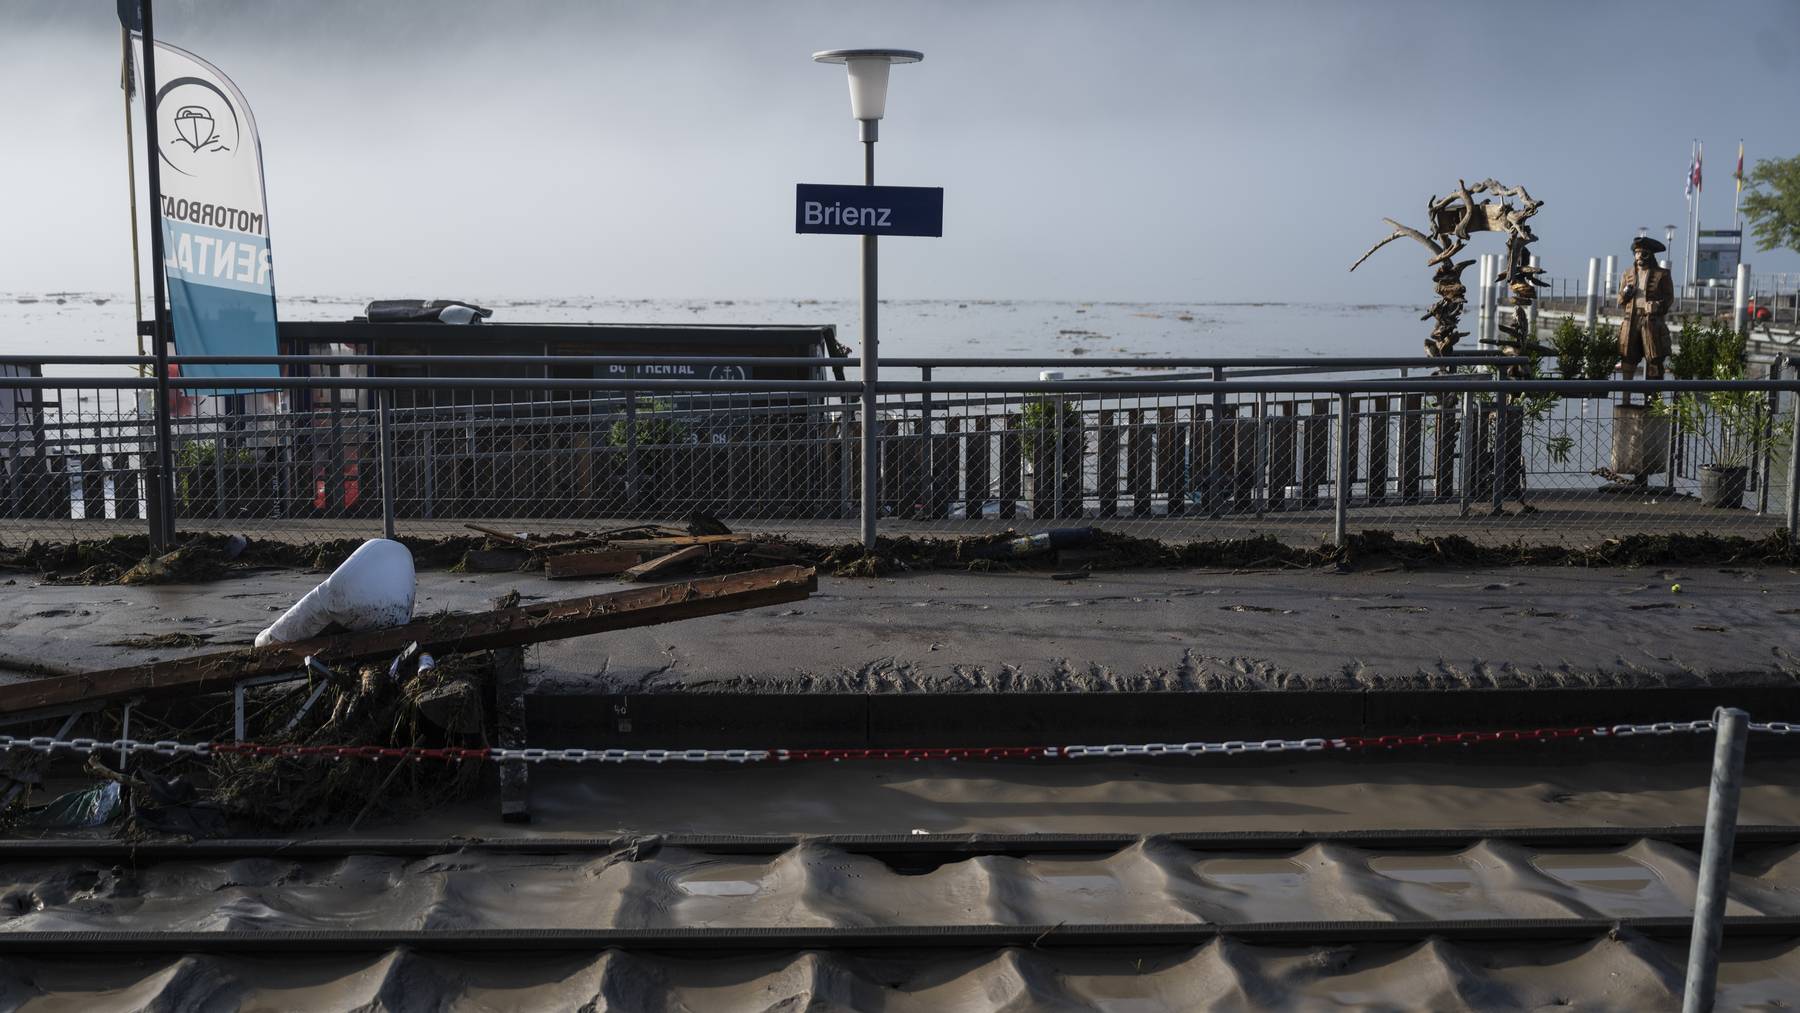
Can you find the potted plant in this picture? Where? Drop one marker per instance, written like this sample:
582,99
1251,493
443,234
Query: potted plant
1733,428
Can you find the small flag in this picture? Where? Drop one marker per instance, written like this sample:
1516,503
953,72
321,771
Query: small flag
1693,173
1739,174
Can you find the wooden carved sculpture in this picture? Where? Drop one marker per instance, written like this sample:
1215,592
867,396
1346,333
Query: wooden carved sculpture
1452,220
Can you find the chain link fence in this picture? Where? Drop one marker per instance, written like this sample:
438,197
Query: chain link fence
1300,458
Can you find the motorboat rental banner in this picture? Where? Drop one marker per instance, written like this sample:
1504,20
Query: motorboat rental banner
214,214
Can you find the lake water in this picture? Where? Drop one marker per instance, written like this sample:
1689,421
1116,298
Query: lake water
83,323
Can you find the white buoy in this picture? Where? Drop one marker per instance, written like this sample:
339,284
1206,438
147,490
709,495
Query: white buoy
373,589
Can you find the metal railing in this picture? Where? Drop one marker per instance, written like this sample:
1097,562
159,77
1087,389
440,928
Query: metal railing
1248,447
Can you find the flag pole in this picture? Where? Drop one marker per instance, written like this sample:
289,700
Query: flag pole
1737,202
163,532
1700,198
137,282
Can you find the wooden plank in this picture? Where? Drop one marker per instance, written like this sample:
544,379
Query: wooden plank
1315,468
946,468
644,571
1106,470
1012,468
976,459
1137,463
1168,461
1443,454
1282,432
1380,427
672,542
605,563
1412,446
1074,454
500,536
440,634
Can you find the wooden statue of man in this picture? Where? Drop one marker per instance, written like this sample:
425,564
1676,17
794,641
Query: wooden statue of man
1645,294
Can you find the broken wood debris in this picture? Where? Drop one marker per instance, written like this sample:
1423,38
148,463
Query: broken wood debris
674,541
604,563
664,563
440,634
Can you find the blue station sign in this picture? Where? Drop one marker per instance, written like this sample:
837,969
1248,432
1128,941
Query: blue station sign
869,210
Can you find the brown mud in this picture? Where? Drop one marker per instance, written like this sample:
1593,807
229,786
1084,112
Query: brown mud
126,559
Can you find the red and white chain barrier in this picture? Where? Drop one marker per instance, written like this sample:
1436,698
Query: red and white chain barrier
1231,747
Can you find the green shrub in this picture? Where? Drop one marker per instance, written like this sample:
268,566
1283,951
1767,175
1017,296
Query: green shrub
1584,354
656,423
1732,426
1039,419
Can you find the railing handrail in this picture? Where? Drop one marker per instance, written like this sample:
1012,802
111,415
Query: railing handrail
1375,385
911,362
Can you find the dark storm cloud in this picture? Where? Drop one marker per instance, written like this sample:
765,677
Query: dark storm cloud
1179,151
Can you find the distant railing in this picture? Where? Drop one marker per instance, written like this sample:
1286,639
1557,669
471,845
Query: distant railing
1252,446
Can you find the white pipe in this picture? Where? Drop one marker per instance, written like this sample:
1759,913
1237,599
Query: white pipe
1739,296
1592,315
1612,277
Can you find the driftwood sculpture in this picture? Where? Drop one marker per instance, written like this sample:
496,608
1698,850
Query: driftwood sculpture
1453,219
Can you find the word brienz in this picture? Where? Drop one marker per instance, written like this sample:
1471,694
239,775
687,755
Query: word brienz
816,213
869,210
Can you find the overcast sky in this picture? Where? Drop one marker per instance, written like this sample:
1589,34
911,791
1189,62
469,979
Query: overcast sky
1177,151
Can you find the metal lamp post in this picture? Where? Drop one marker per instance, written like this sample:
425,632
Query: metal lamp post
868,102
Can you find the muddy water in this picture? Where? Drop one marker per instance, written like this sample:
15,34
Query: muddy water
1055,796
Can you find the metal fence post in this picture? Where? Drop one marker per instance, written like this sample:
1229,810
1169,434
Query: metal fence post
1341,487
1499,431
1466,451
1215,449
633,481
1715,860
1793,474
385,424
927,473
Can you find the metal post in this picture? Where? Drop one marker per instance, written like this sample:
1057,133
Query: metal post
1484,293
162,477
1215,450
1341,488
1467,450
871,362
385,426
1499,430
633,479
1609,287
1260,484
1534,303
1793,465
928,476
1777,366
1591,314
1740,293
1715,860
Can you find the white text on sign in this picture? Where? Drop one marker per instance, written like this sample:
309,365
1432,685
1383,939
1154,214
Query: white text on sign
836,214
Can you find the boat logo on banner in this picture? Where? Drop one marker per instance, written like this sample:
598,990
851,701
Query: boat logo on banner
214,216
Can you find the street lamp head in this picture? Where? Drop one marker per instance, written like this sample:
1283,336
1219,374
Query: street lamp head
868,77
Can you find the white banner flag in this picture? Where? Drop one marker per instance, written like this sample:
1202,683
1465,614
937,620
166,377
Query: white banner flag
214,214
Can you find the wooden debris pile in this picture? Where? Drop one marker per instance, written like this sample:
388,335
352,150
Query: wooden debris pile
639,553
